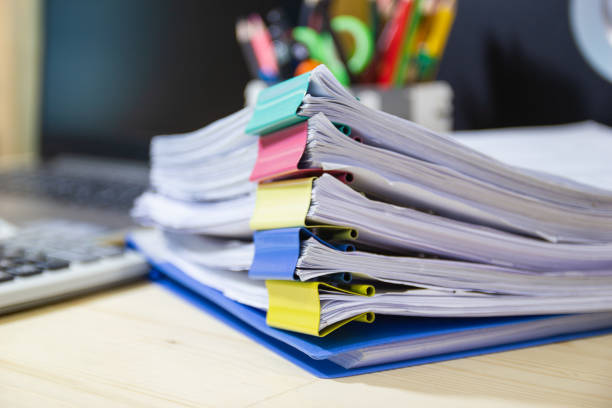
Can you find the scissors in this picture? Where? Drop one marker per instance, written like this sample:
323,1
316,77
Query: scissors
322,47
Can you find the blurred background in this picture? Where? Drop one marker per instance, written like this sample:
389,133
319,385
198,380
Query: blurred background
103,77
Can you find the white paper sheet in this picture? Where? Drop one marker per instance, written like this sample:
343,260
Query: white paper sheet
580,151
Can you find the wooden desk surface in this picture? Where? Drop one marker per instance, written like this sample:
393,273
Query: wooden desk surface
140,346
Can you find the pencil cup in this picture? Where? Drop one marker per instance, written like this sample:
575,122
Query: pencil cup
429,104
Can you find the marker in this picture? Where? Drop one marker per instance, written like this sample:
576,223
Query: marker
263,49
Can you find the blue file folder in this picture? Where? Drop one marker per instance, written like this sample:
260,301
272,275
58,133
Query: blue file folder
312,353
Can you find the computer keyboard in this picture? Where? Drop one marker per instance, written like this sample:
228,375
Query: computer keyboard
74,188
51,259
80,181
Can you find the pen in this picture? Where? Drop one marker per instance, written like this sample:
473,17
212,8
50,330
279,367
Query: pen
438,35
408,43
263,49
373,19
280,32
392,43
242,35
417,59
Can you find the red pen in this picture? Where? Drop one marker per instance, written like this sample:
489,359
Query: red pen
263,47
392,42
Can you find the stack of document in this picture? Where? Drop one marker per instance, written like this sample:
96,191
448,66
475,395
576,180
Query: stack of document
208,164
310,214
200,180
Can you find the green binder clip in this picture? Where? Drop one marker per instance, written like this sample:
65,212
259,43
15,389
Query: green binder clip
277,106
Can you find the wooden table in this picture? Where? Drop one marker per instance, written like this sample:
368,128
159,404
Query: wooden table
140,346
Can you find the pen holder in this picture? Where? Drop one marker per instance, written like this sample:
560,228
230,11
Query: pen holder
429,104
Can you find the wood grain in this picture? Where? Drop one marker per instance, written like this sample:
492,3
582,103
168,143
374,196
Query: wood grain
140,346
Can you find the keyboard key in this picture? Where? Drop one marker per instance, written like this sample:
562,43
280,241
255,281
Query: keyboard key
6,264
25,270
85,258
14,252
5,277
108,251
67,255
53,264
35,256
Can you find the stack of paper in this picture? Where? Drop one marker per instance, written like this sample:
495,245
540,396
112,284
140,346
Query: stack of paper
200,180
359,214
208,164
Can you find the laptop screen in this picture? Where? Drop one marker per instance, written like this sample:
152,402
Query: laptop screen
117,72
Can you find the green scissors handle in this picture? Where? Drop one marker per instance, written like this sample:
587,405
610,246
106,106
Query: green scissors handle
364,44
321,46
